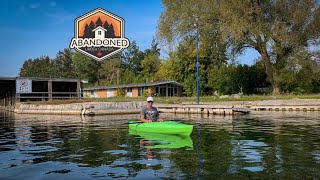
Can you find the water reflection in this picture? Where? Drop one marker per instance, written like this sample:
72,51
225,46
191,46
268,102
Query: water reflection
158,140
267,145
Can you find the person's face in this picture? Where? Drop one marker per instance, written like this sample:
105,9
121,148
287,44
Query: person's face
149,103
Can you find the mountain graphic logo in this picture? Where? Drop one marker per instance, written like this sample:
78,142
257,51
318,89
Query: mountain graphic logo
99,34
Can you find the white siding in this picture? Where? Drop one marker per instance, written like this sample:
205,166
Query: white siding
110,93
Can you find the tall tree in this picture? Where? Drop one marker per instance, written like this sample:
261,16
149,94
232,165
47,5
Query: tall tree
39,67
150,65
65,66
110,70
87,32
154,48
92,26
106,25
110,31
132,57
85,67
273,28
98,22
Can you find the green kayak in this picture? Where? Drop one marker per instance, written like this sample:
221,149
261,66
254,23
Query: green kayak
166,127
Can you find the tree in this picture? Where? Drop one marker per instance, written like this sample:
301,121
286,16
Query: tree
154,48
106,24
150,65
91,26
166,71
87,32
110,71
98,22
127,77
110,32
85,67
64,64
273,28
39,67
132,57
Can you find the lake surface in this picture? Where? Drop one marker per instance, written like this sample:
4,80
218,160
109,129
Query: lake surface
270,145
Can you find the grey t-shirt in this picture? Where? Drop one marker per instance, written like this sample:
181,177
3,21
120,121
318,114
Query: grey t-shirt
150,113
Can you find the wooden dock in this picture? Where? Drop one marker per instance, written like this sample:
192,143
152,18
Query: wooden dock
286,108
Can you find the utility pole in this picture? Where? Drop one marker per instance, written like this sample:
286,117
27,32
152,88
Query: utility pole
197,63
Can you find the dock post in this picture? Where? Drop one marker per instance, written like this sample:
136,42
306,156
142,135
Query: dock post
50,90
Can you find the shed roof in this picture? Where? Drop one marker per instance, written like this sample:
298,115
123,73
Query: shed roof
134,85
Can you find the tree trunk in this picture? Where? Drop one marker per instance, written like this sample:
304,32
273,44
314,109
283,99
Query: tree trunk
269,72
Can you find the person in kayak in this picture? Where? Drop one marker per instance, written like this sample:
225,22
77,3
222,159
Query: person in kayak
149,113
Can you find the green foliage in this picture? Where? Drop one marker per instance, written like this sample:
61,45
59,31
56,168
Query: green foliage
127,77
131,58
150,65
121,92
237,79
275,29
39,67
109,73
165,72
300,75
85,67
145,93
64,64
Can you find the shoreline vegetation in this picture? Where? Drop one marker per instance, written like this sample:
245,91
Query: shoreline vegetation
182,100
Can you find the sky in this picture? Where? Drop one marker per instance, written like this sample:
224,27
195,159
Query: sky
32,28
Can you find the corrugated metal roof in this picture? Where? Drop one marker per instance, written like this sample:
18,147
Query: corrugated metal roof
134,85
41,79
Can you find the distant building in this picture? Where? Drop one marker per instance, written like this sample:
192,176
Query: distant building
160,88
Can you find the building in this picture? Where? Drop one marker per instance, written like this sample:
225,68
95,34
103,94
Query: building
160,88
22,89
99,32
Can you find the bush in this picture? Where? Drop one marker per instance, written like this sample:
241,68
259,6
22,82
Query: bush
121,92
145,93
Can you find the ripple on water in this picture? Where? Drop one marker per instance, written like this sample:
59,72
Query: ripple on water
71,147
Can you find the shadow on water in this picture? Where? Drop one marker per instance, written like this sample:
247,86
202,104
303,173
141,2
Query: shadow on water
277,145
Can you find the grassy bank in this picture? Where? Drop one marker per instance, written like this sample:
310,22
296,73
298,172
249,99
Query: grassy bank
176,100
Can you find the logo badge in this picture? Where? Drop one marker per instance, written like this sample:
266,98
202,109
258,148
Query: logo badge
99,34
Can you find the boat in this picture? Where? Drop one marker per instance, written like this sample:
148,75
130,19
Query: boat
166,127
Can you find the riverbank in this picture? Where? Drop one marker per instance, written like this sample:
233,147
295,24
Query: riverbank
187,100
134,107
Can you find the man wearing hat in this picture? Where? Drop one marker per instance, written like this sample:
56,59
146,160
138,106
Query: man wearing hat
149,113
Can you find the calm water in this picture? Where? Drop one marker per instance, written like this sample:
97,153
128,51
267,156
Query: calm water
260,146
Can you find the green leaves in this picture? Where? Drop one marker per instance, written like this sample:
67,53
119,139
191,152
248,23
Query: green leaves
273,28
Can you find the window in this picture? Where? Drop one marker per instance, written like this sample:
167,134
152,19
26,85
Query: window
129,89
92,93
162,91
99,32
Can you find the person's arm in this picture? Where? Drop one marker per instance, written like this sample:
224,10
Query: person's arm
158,118
142,119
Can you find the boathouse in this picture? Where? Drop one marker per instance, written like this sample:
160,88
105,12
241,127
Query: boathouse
159,88
22,89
